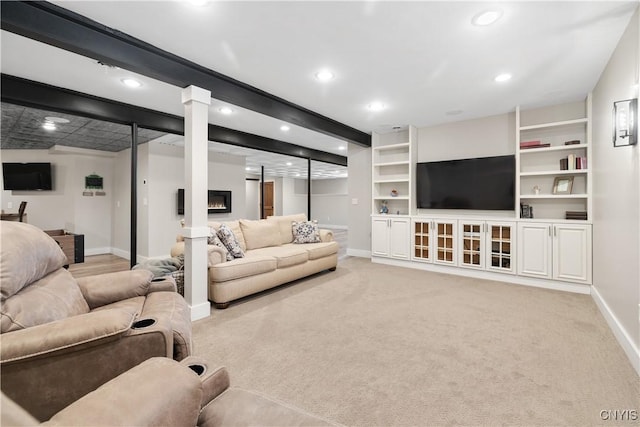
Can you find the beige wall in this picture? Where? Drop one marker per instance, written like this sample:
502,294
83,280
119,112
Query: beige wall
616,202
65,207
359,186
488,136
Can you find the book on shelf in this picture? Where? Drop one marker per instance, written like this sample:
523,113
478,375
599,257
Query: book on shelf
564,164
582,215
526,147
573,162
583,162
530,143
572,142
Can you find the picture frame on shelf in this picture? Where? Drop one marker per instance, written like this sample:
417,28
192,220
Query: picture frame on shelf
563,185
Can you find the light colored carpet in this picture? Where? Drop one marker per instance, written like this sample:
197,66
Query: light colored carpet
374,345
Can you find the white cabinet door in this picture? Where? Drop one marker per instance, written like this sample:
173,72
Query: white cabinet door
534,249
572,252
422,237
444,241
471,246
380,236
399,238
501,247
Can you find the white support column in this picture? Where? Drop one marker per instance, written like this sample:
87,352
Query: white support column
196,118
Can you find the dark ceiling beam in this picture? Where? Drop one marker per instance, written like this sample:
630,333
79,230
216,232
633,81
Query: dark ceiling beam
62,28
16,90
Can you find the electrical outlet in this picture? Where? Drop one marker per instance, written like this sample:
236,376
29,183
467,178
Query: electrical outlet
9,205
354,201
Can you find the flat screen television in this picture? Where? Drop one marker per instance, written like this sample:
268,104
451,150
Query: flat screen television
27,176
485,183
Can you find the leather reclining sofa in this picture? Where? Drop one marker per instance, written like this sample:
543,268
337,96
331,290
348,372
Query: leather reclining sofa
62,337
163,392
104,350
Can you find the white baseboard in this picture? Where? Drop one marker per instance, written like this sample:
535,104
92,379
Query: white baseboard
121,253
359,253
97,251
200,311
627,344
488,275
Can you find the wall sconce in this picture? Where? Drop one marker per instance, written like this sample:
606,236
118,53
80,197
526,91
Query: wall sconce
625,123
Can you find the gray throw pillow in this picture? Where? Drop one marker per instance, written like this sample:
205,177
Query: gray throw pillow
305,232
230,241
213,239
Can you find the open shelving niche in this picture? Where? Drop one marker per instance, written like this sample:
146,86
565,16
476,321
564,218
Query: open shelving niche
393,168
540,166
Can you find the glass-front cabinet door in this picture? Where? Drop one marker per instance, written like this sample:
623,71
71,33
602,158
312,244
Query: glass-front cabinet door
501,246
472,245
422,240
445,246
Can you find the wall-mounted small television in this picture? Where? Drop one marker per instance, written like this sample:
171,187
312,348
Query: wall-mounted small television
27,176
486,183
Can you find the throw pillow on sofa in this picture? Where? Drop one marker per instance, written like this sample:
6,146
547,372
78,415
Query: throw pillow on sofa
305,231
230,241
213,239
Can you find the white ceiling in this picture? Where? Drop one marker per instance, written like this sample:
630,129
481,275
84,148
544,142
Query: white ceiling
425,60
274,164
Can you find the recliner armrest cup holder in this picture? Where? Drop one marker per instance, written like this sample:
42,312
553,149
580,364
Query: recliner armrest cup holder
198,369
143,323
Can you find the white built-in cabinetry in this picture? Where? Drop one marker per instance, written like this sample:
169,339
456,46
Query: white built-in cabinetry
434,240
559,251
547,250
537,168
393,168
470,243
390,236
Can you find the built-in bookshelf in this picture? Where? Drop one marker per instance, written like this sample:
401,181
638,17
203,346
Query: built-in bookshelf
553,150
393,168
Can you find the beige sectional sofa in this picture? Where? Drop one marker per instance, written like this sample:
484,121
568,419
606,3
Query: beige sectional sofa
271,258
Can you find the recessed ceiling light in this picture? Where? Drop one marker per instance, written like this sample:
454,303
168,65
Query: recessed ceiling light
225,110
133,83
247,168
289,163
284,128
297,174
342,147
376,106
324,75
503,77
49,126
56,119
486,17
198,2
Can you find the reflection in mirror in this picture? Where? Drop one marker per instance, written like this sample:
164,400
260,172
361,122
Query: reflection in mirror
80,150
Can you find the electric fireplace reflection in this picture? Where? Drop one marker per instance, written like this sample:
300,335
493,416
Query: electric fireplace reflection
218,201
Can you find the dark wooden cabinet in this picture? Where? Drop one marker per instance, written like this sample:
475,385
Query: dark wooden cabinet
72,244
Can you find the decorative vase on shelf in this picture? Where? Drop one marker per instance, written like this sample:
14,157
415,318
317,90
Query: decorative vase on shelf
394,193
536,189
